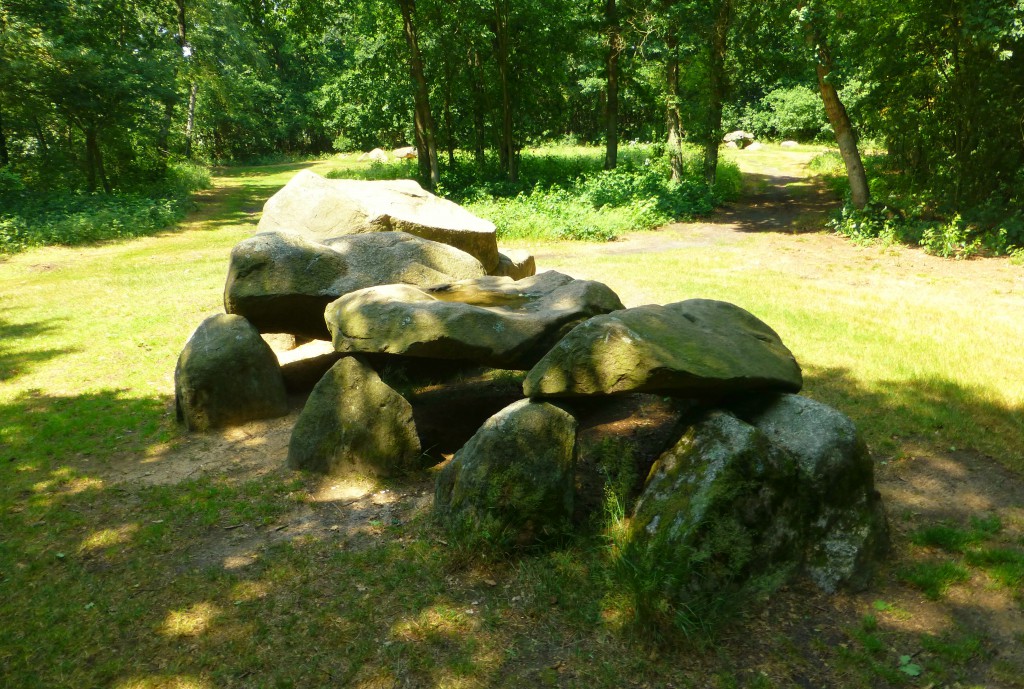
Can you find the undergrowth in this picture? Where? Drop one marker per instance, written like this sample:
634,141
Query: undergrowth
650,589
974,545
900,212
654,588
564,192
35,217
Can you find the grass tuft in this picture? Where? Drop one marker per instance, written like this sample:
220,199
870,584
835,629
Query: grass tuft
948,538
1004,565
934,578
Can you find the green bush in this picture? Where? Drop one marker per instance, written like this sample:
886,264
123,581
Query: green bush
865,226
795,112
1005,221
828,164
552,214
563,192
621,186
949,240
10,181
598,207
900,211
182,179
31,218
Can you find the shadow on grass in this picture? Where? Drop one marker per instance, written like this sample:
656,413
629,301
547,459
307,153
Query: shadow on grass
777,203
222,581
262,170
239,203
41,431
225,206
17,360
938,412
190,584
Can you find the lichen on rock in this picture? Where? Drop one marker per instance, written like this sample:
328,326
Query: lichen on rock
697,348
848,531
512,483
227,375
353,423
725,504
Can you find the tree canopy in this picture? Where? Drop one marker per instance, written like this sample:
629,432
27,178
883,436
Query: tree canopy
98,95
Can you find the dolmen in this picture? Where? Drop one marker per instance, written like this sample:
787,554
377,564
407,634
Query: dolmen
425,348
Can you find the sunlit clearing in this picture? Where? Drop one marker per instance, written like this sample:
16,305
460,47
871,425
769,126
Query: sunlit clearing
333,490
190,622
158,451
378,680
240,560
239,436
56,478
105,538
250,591
618,612
80,485
163,682
63,482
930,618
437,619
308,350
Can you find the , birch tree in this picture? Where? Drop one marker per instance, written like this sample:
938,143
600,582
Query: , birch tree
615,46
718,85
425,129
193,84
814,23
673,118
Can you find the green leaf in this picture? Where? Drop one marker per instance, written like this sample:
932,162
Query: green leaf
909,668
